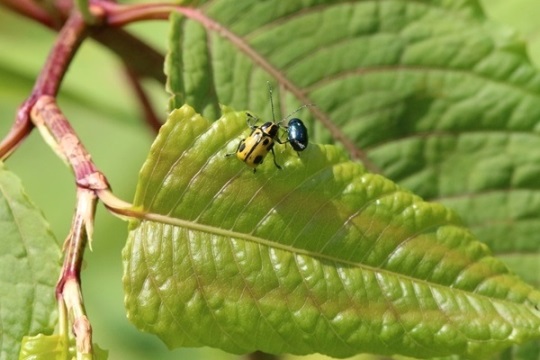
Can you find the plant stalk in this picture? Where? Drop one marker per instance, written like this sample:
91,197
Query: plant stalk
48,82
58,133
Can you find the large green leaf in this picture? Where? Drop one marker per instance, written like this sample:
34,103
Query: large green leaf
319,257
428,93
29,264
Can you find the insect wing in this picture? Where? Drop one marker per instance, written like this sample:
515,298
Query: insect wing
254,149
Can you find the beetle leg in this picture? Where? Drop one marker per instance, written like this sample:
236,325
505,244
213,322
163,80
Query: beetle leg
279,141
274,157
249,120
237,148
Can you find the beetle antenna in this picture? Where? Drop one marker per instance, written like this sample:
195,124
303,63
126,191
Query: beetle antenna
272,106
271,101
297,110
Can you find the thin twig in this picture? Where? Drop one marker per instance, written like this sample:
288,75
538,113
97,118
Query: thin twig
147,63
48,81
31,10
67,43
59,134
144,102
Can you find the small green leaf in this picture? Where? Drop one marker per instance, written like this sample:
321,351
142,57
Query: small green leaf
29,268
45,347
55,347
319,257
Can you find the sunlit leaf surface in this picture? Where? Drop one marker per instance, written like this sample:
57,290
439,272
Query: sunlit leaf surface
319,257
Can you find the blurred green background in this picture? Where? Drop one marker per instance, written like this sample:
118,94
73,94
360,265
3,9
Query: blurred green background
103,112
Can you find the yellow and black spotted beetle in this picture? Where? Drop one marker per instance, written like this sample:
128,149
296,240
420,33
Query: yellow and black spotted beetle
253,149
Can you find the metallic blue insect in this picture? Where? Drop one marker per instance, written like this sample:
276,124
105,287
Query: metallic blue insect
297,134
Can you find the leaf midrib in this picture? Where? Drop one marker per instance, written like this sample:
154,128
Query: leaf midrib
190,225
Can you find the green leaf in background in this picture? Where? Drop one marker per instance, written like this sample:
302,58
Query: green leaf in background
431,94
319,257
29,260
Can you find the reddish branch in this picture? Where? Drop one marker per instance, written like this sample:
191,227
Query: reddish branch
32,10
147,63
55,128
49,80
143,100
